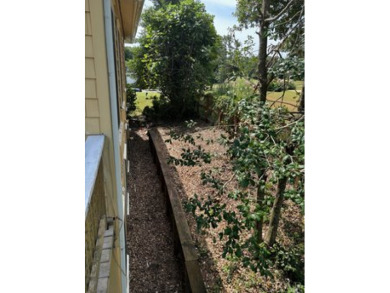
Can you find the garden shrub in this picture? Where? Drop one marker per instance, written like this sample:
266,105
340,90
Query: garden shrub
161,109
278,86
130,97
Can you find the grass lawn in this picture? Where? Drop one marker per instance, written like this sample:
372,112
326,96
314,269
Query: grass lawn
144,99
298,84
290,97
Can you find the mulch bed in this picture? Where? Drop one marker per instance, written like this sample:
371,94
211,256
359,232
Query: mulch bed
154,267
219,274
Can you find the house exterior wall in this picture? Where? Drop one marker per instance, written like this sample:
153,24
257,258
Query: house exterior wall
121,89
92,115
98,118
96,210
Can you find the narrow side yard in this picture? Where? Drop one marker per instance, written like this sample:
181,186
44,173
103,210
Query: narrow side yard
153,264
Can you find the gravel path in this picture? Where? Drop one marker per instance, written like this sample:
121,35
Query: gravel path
153,264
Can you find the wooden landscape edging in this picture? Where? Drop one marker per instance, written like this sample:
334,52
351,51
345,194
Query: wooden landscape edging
184,244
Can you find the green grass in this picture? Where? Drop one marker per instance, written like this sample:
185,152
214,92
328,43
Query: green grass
298,84
238,82
142,101
291,97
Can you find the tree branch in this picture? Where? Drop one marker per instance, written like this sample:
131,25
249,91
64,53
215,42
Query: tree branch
159,3
278,46
277,101
288,125
290,20
271,19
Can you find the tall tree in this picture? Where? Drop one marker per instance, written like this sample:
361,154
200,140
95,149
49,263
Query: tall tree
179,47
161,3
267,149
283,22
137,68
235,59
128,54
274,19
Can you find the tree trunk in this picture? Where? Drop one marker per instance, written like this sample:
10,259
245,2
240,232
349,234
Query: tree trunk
259,223
301,107
275,213
263,41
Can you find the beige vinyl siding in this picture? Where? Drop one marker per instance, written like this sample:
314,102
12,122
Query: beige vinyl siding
92,121
92,107
98,114
97,100
92,124
88,26
90,88
90,67
98,117
88,47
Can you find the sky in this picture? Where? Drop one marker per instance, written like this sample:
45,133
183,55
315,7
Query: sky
223,18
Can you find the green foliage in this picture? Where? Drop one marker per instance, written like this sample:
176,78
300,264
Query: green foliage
248,15
283,22
231,267
128,54
266,148
160,109
138,69
161,3
222,89
269,142
194,156
235,59
280,85
290,261
296,288
191,157
144,99
289,67
130,98
178,50
226,97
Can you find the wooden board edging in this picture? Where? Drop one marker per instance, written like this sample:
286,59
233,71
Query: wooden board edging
193,280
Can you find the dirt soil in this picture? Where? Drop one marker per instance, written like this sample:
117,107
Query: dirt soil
153,265
219,274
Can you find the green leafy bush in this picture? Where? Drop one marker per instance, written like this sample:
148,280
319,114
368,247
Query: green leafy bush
179,46
161,109
266,151
290,261
279,86
130,97
226,99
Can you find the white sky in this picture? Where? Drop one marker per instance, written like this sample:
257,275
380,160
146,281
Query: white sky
223,18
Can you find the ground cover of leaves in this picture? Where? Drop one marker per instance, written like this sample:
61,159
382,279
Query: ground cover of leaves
153,265
221,275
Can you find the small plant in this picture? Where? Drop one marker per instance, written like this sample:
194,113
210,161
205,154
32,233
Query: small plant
231,267
131,98
280,85
297,288
160,110
290,261
266,154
